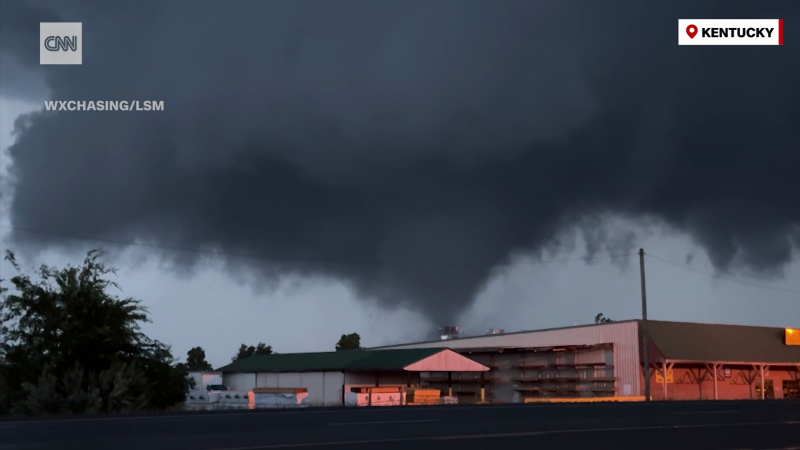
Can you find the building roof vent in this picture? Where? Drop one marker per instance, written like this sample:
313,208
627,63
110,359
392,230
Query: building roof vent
450,332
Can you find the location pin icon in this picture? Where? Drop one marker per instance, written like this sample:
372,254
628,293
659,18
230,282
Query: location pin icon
691,30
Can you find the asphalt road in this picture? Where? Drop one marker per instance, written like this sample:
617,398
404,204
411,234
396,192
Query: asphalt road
673,426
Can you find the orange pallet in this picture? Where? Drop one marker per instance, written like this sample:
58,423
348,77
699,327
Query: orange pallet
425,392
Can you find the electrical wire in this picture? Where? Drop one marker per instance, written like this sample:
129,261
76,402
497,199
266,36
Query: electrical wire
721,277
309,261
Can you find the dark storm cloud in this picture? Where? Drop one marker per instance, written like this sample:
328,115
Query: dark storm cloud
438,137
19,44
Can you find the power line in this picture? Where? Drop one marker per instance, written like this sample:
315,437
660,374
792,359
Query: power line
307,261
722,277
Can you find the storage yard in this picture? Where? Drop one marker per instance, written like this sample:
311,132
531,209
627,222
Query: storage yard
604,361
599,362
349,377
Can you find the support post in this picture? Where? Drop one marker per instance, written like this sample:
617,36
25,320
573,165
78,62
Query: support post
763,394
716,392
664,376
449,384
483,390
645,364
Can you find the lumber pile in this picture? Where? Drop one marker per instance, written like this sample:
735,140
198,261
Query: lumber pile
423,396
376,390
266,390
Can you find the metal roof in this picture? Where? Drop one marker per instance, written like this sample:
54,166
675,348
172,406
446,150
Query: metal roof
684,341
345,360
482,336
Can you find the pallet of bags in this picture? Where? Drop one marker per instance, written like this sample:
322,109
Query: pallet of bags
450,400
200,400
234,399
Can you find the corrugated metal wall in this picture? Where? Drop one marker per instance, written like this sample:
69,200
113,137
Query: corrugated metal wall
324,388
624,336
239,381
397,378
334,388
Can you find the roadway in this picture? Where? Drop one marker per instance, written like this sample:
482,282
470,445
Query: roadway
672,425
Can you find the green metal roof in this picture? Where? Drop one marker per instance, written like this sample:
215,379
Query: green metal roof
344,360
721,343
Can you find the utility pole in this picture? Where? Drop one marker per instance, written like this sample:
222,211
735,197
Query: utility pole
645,363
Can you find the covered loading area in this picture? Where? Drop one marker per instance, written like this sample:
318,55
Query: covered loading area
329,375
724,362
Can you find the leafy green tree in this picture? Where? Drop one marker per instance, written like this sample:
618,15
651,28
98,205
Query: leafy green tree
67,344
245,351
601,319
349,342
196,360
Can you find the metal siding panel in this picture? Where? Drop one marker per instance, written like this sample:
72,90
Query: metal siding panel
228,379
624,336
333,383
267,380
359,378
289,380
394,378
239,381
315,383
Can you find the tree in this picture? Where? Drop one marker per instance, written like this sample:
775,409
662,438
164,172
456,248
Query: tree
196,360
349,342
245,351
600,319
68,345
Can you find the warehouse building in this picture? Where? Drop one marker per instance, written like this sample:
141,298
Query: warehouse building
604,361
328,376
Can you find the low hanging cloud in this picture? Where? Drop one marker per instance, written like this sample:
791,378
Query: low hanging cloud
407,148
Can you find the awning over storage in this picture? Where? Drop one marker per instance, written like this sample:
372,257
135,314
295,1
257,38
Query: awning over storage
445,361
728,344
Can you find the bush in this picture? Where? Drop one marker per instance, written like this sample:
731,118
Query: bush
67,346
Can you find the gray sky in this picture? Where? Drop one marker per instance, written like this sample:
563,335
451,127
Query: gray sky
404,180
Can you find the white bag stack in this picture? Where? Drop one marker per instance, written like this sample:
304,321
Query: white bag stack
279,397
270,400
234,399
198,396
200,400
450,400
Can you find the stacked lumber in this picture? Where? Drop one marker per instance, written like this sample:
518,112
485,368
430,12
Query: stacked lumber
423,396
376,390
266,390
